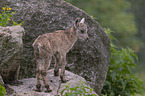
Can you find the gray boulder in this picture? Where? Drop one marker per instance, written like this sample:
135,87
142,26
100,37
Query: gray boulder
89,59
28,86
10,52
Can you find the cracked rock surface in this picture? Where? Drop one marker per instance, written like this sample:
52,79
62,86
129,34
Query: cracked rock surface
26,89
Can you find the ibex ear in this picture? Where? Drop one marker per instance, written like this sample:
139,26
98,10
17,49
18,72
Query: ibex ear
83,20
76,22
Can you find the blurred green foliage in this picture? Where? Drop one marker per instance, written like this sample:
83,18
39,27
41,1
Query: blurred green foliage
138,8
120,78
2,89
115,15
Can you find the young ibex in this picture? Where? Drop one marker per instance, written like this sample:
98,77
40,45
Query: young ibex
56,44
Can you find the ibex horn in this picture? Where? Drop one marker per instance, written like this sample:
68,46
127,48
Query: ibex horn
82,21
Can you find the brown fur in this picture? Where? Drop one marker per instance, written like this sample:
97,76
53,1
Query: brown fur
56,44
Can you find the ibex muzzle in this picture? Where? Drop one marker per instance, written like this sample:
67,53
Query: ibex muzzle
56,44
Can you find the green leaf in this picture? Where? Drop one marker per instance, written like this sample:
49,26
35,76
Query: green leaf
93,94
15,23
123,84
21,23
62,91
73,88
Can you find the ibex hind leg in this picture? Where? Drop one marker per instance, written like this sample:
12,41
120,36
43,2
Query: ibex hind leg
47,61
38,74
38,84
57,62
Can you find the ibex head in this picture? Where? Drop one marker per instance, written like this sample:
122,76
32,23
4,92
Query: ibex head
81,29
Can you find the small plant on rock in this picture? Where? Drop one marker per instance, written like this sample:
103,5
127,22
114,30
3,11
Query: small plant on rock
80,90
6,15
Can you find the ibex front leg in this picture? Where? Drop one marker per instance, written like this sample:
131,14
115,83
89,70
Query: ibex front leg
57,62
63,62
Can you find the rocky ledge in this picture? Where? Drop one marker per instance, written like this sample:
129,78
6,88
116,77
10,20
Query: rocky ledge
28,86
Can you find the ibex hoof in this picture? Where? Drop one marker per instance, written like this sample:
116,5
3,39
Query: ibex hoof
56,73
38,90
47,91
48,88
64,81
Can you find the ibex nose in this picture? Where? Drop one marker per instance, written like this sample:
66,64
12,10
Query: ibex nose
87,37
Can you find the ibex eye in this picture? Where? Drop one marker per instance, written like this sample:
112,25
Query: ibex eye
82,31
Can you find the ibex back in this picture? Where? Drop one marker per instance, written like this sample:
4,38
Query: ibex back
56,44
